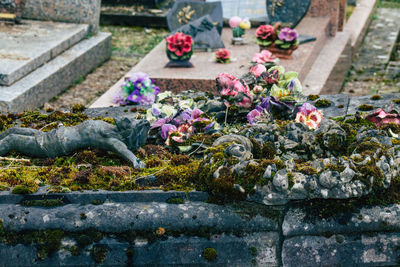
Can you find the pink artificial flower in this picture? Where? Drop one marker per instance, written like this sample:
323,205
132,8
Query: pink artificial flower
265,32
263,57
380,117
253,116
234,22
258,69
233,87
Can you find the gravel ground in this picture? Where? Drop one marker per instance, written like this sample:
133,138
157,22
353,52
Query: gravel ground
130,44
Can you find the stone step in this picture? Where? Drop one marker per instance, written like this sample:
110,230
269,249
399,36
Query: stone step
25,47
379,44
52,78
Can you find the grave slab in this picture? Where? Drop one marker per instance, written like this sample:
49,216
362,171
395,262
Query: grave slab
25,47
52,78
202,76
385,102
339,105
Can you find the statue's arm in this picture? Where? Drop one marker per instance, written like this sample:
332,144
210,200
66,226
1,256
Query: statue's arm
120,148
20,131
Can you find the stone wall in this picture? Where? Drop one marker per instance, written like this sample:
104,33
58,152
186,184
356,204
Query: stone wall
335,9
73,11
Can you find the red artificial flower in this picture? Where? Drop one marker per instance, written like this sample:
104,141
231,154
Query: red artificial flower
381,117
223,53
265,32
180,43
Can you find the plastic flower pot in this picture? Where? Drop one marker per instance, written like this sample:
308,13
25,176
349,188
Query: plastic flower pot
179,50
182,62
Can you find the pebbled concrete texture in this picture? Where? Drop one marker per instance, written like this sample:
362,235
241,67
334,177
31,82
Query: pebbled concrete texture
49,80
27,46
73,11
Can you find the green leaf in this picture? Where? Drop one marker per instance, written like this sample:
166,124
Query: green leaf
290,75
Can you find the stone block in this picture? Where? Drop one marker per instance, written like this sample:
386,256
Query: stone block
73,11
27,46
385,102
46,82
374,249
326,8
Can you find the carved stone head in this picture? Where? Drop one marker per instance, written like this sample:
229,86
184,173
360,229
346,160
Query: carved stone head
133,131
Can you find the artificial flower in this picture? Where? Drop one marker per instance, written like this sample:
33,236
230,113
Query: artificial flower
245,24
381,117
258,89
265,32
287,34
254,115
263,57
258,69
234,90
222,55
137,89
309,116
179,44
234,22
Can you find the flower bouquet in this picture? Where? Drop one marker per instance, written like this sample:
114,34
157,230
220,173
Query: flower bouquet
137,89
223,56
239,27
179,50
285,44
265,36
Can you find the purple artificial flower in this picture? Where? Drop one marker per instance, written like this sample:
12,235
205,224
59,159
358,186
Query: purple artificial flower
307,108
208,127
158,123
253,116
265,102
156,112
186,114
288,35
166,129
119,99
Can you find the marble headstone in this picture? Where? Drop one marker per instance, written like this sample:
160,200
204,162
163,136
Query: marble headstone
204,33
255,10
186,11
289,12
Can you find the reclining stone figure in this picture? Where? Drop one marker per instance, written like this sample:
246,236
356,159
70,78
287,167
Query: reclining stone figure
126,136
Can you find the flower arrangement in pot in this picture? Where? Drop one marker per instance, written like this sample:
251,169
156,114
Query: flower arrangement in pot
265,36
179,50
286,43
223,56
239,27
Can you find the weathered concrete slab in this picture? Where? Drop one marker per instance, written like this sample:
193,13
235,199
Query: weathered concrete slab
258,249
385,102
27,46
44,83
372,219
121,217
339,105
378,44
363,250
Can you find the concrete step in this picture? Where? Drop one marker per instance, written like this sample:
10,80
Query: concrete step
25,47
52,78
379,44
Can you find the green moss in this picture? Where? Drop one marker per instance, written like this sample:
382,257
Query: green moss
268,150
23,190
176,200
323,103
77,108
83,216
290,180
99,253
340,106
210,254
44,202
365,107
313,97
97,202
306,169
253,251
396,101
48,242
376,97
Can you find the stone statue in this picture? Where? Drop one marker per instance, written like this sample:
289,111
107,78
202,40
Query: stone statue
123,138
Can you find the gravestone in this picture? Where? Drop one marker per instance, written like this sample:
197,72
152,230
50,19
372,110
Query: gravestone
187,11
289,12
11,10
255,10
205,34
